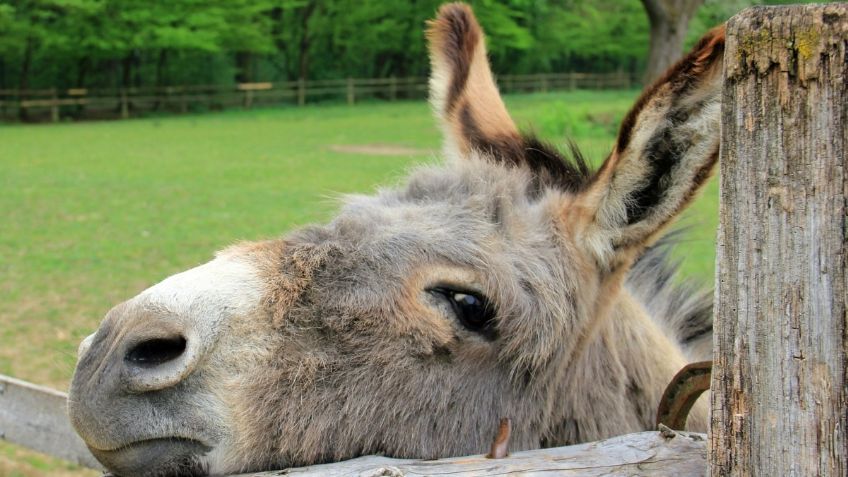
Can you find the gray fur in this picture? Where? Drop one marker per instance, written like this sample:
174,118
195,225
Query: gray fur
682,305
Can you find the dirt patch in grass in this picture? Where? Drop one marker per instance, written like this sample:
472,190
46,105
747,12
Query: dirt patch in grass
377,149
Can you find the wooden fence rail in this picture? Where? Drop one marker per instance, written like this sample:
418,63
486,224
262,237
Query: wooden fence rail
36,417
81,103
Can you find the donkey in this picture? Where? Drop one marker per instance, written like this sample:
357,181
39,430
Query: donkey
510,281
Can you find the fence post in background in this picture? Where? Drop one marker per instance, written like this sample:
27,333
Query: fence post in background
248,98
54,106
80,96
623,79
393,88
301,91
183,100
351,93
412,88
22,109
572,81
544,78
780,378
125,104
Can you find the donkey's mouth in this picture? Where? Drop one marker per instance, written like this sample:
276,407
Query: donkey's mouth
166,456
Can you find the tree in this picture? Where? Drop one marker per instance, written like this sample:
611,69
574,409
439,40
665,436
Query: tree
247,33
596,36
669,23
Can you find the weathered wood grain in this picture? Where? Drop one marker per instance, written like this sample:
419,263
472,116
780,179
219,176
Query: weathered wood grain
640,454
36,417
780,376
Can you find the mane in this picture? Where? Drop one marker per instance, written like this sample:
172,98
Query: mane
684,308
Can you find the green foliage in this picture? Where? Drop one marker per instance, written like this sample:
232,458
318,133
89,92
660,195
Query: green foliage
110,43
105,43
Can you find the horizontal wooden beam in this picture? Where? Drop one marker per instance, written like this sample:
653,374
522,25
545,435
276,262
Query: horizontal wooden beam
36,417
681,454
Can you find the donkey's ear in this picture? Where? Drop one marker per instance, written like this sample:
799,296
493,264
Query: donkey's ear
665,152
462,90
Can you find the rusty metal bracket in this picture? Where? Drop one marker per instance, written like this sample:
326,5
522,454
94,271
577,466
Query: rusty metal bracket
681,393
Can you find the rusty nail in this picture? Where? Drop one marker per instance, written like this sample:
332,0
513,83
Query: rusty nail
500,445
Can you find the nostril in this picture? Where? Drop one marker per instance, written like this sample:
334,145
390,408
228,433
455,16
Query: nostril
158,362
156,351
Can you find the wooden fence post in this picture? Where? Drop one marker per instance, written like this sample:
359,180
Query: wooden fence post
22,109
780,378
351,91
622,79
392,88
301,91
125,104
54,107
248,98
183,100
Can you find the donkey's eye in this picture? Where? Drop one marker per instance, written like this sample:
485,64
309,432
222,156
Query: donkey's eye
472,310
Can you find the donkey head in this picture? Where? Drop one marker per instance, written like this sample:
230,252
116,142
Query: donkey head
498,284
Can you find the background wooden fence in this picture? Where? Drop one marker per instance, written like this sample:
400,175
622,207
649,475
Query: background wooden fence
82,103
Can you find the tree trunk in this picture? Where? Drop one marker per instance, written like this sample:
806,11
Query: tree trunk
82,71
669,23
126,71
161,62
780,379
303,66
277,29
243,67
26,64
83,66
23,84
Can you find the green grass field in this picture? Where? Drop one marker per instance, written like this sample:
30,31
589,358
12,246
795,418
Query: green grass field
92,213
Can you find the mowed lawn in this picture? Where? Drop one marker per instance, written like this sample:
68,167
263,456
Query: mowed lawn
92,213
